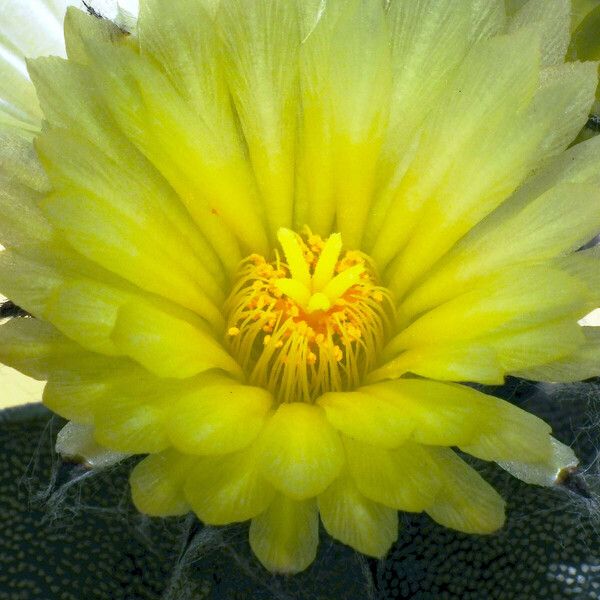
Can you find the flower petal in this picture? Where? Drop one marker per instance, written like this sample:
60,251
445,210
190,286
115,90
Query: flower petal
111,214
488,18
300,453
22,181
548,472
152,115
466,502
364,416
521,297
81,28
77,441
582,364
286,535
52,282
130,424
34,347
167,344
427,38
83,309
80,385
70,100
434,413
528,217
405,479
446,194
228,489
182,38
560,220
471,361
553,20
261,41
157,484
346,93
551,120
353,519
519,436
217,415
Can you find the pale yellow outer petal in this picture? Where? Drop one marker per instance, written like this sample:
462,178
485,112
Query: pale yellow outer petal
560,220
405,479
157,484
472,361
286,535
217,416
261,41
76,441
131,425
548,472
387,414
71,100
427,38
112,214
228,489
366,417
511,300
22,183
54,283
355,520
182,38
34,347
74,396
552,20
168,345
465,502
583,364
300,452
451,183
165,130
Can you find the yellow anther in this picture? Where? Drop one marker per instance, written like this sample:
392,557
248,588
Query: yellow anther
337,353
232,331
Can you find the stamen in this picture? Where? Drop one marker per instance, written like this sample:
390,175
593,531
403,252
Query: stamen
313,327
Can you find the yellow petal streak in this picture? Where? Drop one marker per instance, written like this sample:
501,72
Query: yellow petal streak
312,324
227,489
218,416
466,502
286,535
353,519
167,345
405,479
157,484
300,452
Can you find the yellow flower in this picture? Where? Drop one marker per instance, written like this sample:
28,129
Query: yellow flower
263,239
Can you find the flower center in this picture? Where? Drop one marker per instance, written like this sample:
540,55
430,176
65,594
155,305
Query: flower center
312,323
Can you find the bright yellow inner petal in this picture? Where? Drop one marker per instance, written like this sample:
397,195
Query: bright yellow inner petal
310,325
